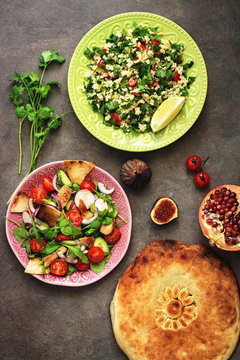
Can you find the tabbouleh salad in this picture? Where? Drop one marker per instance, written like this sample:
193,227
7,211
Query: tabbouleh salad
132,74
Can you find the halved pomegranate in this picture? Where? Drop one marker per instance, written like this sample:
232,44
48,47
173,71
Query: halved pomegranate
219,217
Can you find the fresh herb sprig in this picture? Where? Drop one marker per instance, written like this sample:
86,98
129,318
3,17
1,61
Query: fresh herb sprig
27,94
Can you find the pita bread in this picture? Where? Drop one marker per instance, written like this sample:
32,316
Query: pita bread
20,203
176,301
36,267
64,195
78,169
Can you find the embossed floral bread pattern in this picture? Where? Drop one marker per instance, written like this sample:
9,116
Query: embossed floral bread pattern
134,141
175,308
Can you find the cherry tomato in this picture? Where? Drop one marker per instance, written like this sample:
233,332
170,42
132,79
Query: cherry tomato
153,69
142,47
81,265
132,81
117,119
202,179
87,185
36,246
59,267
113,237
100,64
95,254
176,76
47,183
155,42
154,84
37,194
74,216
62,237
194,162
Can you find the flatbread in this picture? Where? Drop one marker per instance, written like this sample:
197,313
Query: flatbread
78,169
176,302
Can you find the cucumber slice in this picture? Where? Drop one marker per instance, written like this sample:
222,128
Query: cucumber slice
63,178
68,205
100,242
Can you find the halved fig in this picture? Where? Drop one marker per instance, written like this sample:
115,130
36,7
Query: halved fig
219,217
164,211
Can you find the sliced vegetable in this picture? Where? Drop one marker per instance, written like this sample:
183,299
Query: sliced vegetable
88,185
63,178
101,205
86,196
102,188
74,216
37,194
59,267
95,254
48,183
100,242
113,237
37,245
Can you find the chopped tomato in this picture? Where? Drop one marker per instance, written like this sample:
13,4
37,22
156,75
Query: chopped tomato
88,185
153,69
47,183
176,76
37,194
95,254
113,237
37,245
132,82
117,119
74,216
155,42
142,47
62,237
81,265
154,84
100,64
59,267
136,94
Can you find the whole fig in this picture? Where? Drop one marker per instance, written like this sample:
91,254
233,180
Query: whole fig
135,173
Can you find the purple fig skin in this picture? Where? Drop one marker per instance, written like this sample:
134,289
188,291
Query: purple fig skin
168,214
135,173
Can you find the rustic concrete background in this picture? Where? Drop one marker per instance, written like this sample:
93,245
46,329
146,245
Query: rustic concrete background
39,321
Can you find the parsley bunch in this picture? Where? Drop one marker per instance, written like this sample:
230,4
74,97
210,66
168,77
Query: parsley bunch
27,94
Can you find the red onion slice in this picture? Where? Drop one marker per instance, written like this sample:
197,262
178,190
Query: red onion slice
31,206
61,255
69,259
54,182
54,195
101,187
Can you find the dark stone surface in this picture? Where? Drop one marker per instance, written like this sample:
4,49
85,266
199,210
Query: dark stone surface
39,321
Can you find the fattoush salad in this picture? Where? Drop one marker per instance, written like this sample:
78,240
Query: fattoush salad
69,223
132,74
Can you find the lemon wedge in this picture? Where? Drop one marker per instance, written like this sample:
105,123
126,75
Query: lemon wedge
166,112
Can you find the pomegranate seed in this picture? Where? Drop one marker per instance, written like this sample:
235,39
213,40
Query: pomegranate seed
234,232
235,203
235,227
205,211
228,241
228,228
221,211
209,221
218,207
227,234
217,192
231,200
221,217
228,192
234,221
206,207
225,198
234,208
226,221
210,210
223,190
228,214
232,195
211,196
214,224
234,240
224,203
214,209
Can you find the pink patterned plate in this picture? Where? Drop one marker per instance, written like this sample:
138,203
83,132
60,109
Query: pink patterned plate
118,251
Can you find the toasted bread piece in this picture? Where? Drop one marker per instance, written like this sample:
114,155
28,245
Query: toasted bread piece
48,214
87,241
64,195
78,169
84,211
47,260
35,267
107,229
20,203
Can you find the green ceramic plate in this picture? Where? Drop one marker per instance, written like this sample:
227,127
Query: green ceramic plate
93,121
